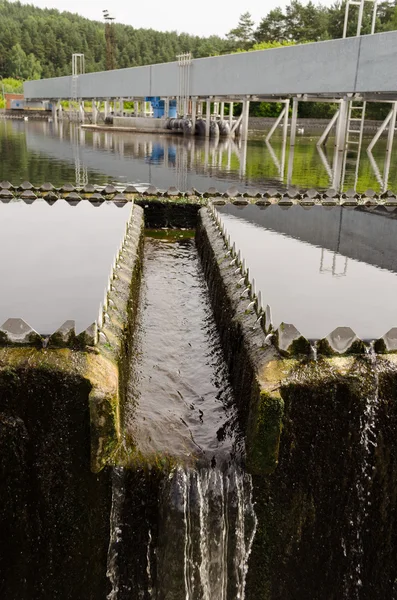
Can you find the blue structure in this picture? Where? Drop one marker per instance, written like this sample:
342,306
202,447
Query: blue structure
158,106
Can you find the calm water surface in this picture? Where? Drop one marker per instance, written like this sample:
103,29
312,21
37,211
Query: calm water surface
321,268
42,151
74,246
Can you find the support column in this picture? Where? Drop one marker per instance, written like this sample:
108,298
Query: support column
107,109
94,112
222,113
143,108
167,108
294,120
194,109
208,118
231,106
60,110
121,107
389,146
136,109
199,109
244,125
340,142
81,111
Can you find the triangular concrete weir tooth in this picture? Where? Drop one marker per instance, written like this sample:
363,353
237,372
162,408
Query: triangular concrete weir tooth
28,195
50,197
151,191
290,341
26,185
91,334
388,194
212,192
67,187
6,194
390,340
331,193
173,192
109,189
89,188
47,187
6,185
131,189
73,196
232,192
370,193
340,341
268,319
351,193
64,334
120,198
285,201
18,331
96,197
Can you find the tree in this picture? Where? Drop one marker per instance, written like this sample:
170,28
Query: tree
242,36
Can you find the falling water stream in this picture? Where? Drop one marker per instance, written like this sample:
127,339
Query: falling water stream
181,407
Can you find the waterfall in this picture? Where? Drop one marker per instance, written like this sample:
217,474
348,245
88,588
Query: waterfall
209,525
368,442
118,492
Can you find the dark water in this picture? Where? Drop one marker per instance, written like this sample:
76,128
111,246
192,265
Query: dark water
196,542
56,261
181,402
321,268
42,151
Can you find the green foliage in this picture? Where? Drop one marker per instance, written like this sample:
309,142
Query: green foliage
40,42
242,36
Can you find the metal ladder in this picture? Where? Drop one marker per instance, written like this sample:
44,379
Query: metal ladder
354,138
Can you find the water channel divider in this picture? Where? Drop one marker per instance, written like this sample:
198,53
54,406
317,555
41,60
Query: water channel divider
119,194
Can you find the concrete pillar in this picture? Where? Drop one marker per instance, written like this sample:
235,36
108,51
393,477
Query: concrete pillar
143,108
60,110
121,107
231,106
136,109
199,109
216,109
81,111
208,119
107,108
94,112
54,112
244,124
167,107
194,109
294,120
222,114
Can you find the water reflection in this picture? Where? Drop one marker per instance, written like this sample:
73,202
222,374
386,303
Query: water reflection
321,268
63,152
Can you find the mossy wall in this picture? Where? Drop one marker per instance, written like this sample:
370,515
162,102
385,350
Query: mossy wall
54,512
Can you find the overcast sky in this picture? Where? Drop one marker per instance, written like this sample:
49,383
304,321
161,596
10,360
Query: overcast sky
201,18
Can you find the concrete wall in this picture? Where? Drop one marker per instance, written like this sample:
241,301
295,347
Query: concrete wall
139,122
365,64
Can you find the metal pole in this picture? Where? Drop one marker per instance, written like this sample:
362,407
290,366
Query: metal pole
324,136
276,123
346,19
389,146
360,17
380,130
373,25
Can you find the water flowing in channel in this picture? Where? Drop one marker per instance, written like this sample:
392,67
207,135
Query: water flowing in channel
195,541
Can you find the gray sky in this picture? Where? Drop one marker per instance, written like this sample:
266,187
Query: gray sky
204,18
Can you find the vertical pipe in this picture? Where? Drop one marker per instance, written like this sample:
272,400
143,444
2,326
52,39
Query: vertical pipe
208,118
294,120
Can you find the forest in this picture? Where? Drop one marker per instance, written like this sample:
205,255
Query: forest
37,43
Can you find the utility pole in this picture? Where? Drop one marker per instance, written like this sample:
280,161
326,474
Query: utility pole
110,40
